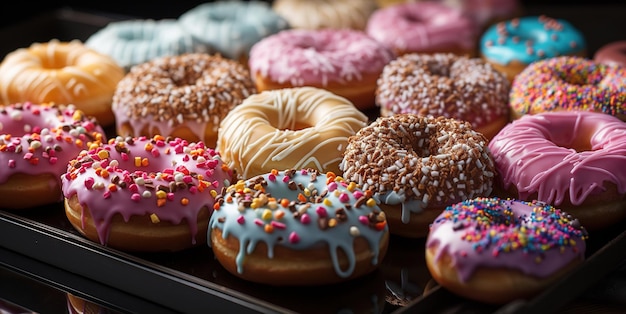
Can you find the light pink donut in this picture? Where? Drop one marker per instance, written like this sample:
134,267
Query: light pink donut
344,61
36,142
573,160
423,27
166,179
485,12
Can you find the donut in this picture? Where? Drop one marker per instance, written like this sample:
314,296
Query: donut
79,305
321,14
573,160
232,27
345,62
144,194
63,72
417,165
182,96
297,128
497,250
424,27
444,84
132,42
511,45
569,83
298,228
36,143
612,53
485,13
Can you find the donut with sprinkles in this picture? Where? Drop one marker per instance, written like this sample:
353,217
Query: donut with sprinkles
36,142
497,250
182,96
444,84
416,166
144,194
510,46
569,84
298,228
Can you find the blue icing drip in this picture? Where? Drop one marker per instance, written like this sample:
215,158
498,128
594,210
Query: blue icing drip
408,207
252,230
546,43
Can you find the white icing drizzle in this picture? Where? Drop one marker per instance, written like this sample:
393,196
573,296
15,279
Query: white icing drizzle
325,13
303,127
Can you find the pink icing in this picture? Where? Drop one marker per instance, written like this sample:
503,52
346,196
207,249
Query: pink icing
485,11
531,237
303,57
170,178
422,26
37,139
535,154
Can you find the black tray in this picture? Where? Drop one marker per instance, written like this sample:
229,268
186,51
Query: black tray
41,243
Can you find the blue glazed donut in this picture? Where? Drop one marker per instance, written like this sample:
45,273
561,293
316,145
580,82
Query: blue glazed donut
232,27
132,42
512,45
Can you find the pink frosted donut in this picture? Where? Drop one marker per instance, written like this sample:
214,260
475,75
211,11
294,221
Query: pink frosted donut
424,27
613,53
36,142
573,160
144,194
343,61
497,250
486,12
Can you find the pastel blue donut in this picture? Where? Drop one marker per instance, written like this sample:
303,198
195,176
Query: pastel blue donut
232,27
531,38
131,42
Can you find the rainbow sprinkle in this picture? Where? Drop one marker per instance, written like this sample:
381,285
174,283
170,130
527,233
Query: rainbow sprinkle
569,83
491,225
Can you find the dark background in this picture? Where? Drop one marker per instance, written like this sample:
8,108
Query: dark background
19,10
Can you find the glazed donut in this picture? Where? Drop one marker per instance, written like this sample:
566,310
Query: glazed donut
417,165
446,85
512,45
425,27
569,83
132,42
343,61
297,228
613,53
573,160
144,194
182,96
301,127
36,143
232,27
63,73
320,14
498,250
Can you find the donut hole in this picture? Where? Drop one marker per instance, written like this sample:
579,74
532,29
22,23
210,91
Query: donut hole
578,80
55,63
580,143
437,68
583,76
412,18
184,76
296,126
222,15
